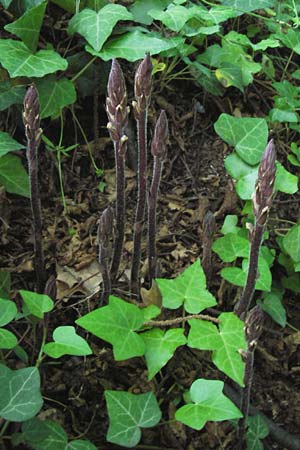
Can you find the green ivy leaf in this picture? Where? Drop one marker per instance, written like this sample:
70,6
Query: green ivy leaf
44,434
230,224
13,176
230,75
18,60
247,134
28,26
175,17
141,8
160,347
291,40
257,430
20,397
67,342
189,289
238,276
8,144
10,94
243,6
116,323
96,27
128,413
37,304
80,444
291,243
135,44
7,339
225,342
272,305
55,95
8,311
209,403
231,246
216,14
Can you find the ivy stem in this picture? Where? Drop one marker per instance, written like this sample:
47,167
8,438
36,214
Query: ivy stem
167,323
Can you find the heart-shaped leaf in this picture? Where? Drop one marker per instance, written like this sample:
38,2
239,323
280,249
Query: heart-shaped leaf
116,323
13,176
160,347
7,339
209,403
238,276
37,304
128,413
8,311
257,430
96,27
44,434
55,95
189,288
67,342
225,342
231,246
20,61
20,396
28,26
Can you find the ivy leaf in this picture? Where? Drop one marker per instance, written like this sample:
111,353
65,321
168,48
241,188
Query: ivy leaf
243,6
247,134
134,44
67,342
8,144
80,444
96,27
20,397
28,26
8,311
7,339
174,17
116,323
160,347
37,304
10,94
225,342
257,430
18,60
55,95
291,40
140,9
128,413
230,224
44,434
285,181
13,176
230,75
209,403
272,305
189,289
231,246
291,243
238,276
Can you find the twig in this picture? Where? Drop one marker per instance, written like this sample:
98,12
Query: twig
142,88
31,120
158,150
167,323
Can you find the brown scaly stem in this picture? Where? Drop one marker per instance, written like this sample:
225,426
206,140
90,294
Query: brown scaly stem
253,330
117,112
170,322
31,120
158,150
105,229
261,200
209,228
142,88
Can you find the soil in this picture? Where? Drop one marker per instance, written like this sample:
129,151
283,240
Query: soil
194,181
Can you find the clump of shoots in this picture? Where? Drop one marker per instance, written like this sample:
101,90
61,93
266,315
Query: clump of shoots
261,200
105,230
142,89
209,228
31,120
253,330
158,150
117,112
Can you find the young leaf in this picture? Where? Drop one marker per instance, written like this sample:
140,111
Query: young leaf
209,403
55,95
18,60
272,305
8,144
44,434
128,413
116,323
285,181
248,135
67,342
13,176
8,311
20,397
189,288
28,26
7,339
134,44
225,342
291,243
230,224
96,27
37,304
160,347
231,246
257,430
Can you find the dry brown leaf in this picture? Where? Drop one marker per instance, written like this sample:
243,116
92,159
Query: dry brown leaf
87,280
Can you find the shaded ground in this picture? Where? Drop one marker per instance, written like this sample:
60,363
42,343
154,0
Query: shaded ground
194,180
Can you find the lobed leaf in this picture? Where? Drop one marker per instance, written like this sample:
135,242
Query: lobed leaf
231,246
37,304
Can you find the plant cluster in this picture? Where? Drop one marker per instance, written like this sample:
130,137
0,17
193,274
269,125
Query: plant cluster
192,41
